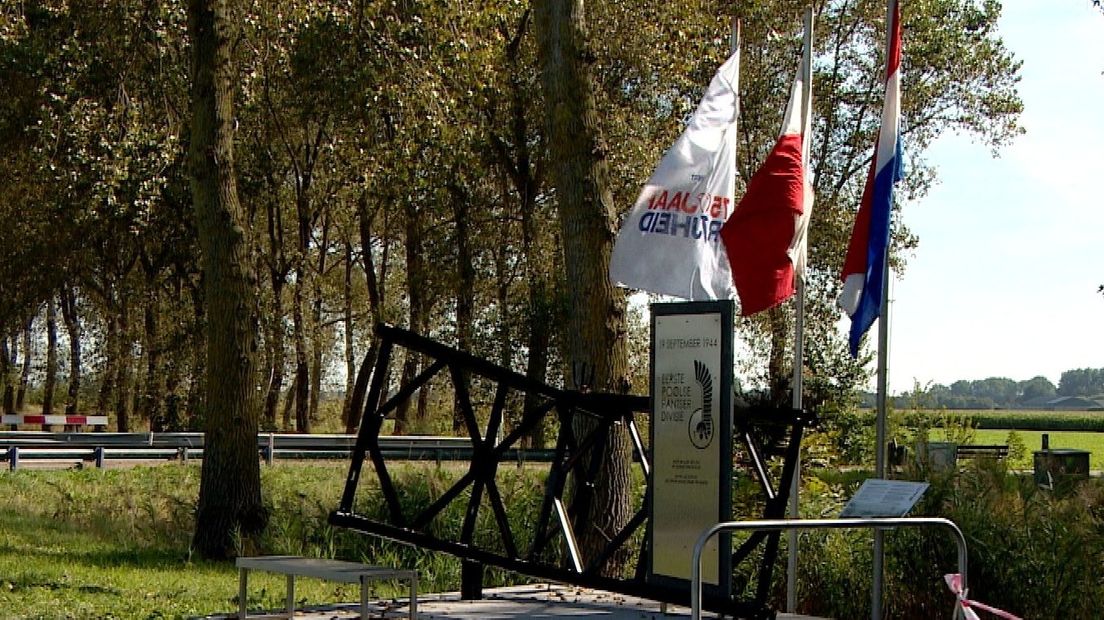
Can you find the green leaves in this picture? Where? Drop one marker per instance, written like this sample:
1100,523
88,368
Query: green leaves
414,103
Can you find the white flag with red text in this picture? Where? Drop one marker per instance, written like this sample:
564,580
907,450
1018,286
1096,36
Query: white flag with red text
670,242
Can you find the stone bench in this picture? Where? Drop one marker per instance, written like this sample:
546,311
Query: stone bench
329,570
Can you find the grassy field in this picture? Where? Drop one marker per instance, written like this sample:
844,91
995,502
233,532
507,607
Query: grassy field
1032,440
1018,419
114,543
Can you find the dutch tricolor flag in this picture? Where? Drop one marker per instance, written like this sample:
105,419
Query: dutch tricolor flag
864,267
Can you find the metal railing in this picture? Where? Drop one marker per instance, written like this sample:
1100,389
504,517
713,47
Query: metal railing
779,525
100,448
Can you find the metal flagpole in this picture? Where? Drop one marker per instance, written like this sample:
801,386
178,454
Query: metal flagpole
734,44
880,433
799,310
883,359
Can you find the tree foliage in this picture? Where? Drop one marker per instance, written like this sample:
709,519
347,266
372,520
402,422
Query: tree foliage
1082,382
394,165
1002,393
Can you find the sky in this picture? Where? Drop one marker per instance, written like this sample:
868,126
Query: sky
1004,282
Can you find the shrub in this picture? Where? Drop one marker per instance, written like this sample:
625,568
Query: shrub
1031,552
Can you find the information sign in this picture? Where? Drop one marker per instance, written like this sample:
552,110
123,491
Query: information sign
691,437
884,498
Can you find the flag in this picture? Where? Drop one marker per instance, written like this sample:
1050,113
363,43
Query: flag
670,241
863,269
765,237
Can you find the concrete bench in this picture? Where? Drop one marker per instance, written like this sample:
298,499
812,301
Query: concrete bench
330,570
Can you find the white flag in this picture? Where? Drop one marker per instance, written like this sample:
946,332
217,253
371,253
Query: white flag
670,243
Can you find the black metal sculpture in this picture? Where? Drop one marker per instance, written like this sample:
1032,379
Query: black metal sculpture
575,465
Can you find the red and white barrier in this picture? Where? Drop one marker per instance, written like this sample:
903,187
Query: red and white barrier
967,606
75,420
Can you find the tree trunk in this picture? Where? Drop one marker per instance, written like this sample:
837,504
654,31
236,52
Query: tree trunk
360,387
540,320
302,367
50,382
403,423
153,385
416,281
5,374
25,374
110,371
73,328
350,356
506,345
303,228
777,375
595,327
376,290
503,334
230,506
124,379
277,273
279,355
317,337
289,402
195,414
465,284
523,173
171,414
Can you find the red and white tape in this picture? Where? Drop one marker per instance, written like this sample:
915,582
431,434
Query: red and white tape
954,582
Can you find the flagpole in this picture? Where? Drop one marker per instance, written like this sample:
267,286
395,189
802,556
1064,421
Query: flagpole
734,40
883,362
799,311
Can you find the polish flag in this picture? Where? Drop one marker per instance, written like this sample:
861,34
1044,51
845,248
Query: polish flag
765,235
864,267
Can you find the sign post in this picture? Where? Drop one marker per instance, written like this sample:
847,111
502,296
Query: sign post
691,440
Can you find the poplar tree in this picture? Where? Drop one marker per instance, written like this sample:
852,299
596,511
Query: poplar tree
230,486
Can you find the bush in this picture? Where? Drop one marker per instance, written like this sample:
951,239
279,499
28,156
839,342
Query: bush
1031,552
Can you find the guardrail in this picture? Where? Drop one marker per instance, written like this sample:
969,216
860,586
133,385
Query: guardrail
100,448
778,525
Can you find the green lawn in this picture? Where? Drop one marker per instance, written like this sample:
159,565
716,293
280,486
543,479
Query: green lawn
1093,442
114,543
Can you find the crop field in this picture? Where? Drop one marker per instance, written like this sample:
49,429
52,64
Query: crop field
1018,419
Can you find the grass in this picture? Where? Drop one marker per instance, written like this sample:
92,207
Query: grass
1081,430
114,543
1032,440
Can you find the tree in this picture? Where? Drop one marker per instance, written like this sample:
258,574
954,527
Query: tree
1037,387
428,111
70,315
654,57
594,334
51,358
230,487
1081,382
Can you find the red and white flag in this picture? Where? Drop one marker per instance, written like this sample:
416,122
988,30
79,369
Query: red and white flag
765,237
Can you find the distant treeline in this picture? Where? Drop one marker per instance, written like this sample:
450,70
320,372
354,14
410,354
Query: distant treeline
999,392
